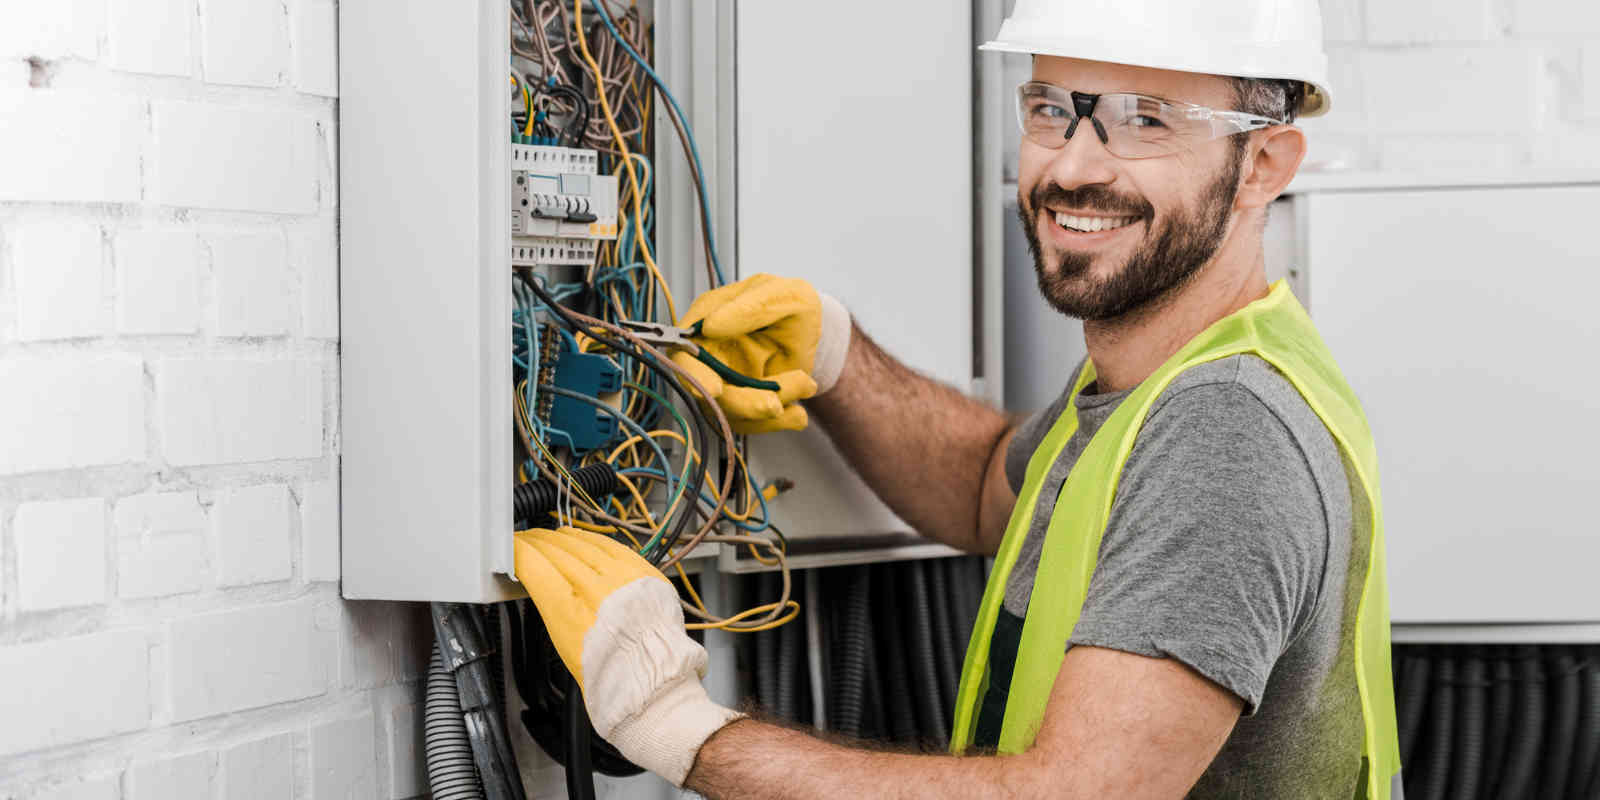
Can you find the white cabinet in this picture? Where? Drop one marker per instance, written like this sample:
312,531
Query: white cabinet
855,171
1466,321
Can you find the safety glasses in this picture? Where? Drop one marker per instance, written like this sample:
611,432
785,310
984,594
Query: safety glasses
1129,125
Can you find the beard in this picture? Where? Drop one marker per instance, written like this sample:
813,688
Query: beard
1166,259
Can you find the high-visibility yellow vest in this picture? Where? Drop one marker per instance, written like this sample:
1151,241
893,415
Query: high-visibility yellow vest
1277,329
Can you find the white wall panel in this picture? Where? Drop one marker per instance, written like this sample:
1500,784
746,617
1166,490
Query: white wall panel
1466,321
855,172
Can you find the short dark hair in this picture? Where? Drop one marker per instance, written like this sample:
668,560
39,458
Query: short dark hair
1269,97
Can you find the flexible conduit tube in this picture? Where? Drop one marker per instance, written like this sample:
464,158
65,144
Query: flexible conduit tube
791,640
580,772
1442,719
1499,723
451,774
930,708
902,722
943,636
819,704
458,628
532,502
873,714
1587,747
850,655
1469,729
1522,756
1561,687
767,649
1413,701
492,635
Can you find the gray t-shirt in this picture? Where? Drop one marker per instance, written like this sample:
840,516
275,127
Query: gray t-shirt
1228,547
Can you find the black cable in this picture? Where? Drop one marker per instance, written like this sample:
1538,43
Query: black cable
1467,750
902,722
691,510
1413,702
924,663
791,667
850,654
701,424
767,650
580,775
1586,747
1527,732
1442,716
1499,722
533,501
943,642
1562,698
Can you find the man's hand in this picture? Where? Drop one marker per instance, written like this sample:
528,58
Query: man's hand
616,623
774,329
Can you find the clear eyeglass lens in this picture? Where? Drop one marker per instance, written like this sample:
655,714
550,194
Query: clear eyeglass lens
1136,126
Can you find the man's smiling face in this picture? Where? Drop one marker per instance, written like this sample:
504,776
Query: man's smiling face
1110,235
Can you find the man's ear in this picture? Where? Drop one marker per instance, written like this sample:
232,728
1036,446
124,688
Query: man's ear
1274,157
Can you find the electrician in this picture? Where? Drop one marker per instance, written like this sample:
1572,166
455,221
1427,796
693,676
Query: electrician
1188,594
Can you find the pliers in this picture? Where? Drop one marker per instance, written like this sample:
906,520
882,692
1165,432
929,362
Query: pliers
672,337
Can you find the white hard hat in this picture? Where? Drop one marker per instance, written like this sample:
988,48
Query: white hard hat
1242,38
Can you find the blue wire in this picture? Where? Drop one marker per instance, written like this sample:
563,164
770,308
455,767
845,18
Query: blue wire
694,150
766,522
633,427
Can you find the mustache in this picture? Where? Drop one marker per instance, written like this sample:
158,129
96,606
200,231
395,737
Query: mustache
1088,198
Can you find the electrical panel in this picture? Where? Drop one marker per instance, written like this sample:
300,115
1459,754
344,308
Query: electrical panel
463,388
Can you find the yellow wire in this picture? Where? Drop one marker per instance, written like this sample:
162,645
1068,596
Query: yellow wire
749,612
622,145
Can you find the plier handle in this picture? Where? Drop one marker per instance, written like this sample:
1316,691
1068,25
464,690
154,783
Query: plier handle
676,338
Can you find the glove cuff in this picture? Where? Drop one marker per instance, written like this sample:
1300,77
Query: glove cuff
833,345
665,737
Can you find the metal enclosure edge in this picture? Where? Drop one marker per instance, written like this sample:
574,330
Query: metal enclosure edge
424,301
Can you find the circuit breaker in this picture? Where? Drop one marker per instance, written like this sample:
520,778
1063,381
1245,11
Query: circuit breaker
560,206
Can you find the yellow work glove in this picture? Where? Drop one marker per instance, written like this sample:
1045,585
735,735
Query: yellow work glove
774,329
616,623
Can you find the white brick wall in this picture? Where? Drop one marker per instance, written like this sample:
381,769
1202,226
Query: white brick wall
170,625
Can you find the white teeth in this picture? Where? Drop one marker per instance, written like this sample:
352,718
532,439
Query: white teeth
1092,224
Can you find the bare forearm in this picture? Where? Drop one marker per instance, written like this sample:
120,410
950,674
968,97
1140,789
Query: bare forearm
752,759
923,447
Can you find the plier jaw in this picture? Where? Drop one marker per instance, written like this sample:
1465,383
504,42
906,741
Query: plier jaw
661,335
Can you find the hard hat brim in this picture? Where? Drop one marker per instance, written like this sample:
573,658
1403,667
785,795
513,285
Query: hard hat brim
1307,65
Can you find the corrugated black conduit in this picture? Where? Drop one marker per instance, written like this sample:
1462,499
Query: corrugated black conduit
451,774
874,716
943,637
532,502
1498,737
767,585
919,623
458,629
1527,731
850,653
902,721
791,667
1471,699
1586,761
1441,724
1413,701
1562,698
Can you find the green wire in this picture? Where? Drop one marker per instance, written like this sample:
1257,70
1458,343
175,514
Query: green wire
688,460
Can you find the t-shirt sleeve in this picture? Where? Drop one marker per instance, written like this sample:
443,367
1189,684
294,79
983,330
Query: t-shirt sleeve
1215,549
